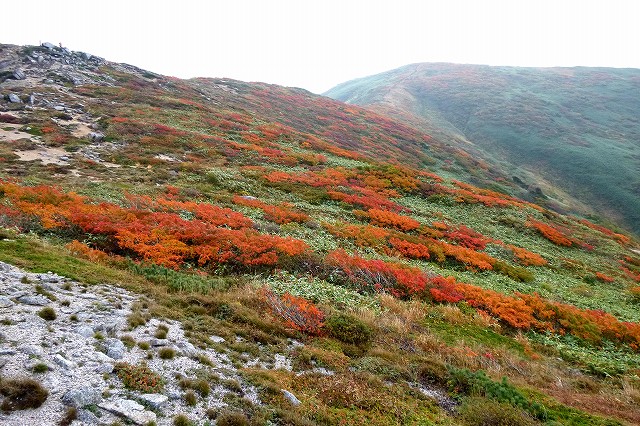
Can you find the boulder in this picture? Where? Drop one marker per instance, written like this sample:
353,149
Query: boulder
82,396
216,339
96,137
48,45
155,400
33,300
14,98
130,410
5,302
115,348
85,331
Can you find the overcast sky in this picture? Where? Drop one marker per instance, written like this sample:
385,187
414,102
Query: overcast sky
318,44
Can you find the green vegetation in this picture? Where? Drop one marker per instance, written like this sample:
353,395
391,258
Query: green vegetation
47,313
275,222
139,377
21,394
573,126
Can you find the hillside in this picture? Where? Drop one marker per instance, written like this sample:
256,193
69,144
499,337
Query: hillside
325,264
570,129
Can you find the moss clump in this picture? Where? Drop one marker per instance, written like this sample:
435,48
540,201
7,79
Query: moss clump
167,353
181,420
482,411
47,313
21,394
232,418
349,329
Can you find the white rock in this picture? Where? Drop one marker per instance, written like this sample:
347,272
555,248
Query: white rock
129,409
216,339
5,302
155,400
291,397
82,396
63,362
85,331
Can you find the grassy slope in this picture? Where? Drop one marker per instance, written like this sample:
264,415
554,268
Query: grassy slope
575,127
206,128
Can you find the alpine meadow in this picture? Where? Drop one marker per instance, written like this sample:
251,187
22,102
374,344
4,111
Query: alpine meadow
437,245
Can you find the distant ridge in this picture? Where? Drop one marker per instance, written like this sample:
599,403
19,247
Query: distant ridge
574,132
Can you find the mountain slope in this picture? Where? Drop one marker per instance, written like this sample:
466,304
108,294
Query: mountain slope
323,249
576,128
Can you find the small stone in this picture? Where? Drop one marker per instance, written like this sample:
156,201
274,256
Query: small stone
291,397
216,339
129,409
7,351
59,107
19,75
63,362
155,400
14,98
31,350
96,137
158,342
82,396
115,348
33,300
104,368
85,331
5,302
86,56
3,362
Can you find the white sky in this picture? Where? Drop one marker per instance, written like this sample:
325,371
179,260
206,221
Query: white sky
318,44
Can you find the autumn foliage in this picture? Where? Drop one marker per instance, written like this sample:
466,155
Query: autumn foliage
374,275
297,312
281,215
551,233
154,230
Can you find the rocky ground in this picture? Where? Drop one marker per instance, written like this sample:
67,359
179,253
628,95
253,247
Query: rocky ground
73,356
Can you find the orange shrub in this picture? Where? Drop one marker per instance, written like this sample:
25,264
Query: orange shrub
298,313
389,219
377,275
604,278
526,257
551,233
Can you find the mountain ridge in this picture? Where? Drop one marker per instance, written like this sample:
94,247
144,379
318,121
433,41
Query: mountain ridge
522,115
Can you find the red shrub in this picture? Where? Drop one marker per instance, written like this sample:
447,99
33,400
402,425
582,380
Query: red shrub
298,313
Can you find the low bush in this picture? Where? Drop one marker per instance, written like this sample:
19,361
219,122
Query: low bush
47,313
21,394
167,353
349,329
485,412
232,418
139,377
